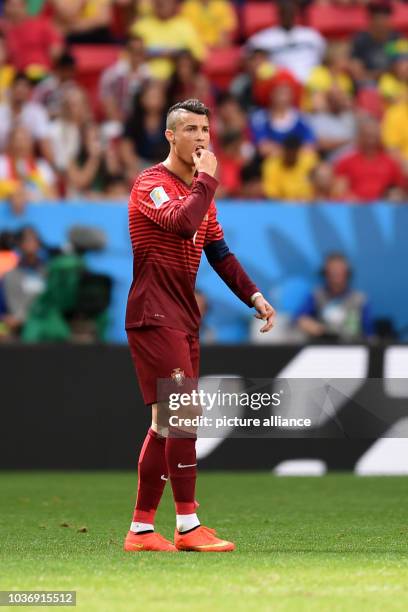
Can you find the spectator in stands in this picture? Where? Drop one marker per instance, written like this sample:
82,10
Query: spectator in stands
369,172
231,160
8,261
95,167
326,186
7,72
187,81
369,48
296,48
8,255
230,118
165,32
251,180
271,126
51,90
119,83
83,21
215,21
393,85
35,7
243,84
25,282
334,125
336,311
232,143
23,176
287,176
19,109
335,72
33,43
144,142
395,132
67,131
73,305
124,12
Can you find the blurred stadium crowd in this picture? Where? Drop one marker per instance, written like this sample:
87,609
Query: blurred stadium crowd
310,99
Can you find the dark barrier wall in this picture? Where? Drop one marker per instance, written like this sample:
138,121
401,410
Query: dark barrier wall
79,407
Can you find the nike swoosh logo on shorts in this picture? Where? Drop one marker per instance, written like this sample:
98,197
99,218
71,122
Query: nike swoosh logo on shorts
181,466
163,477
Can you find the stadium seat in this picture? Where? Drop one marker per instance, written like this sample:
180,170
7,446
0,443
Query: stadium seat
400,17
337,21
222,65
256,16
91,61
95,58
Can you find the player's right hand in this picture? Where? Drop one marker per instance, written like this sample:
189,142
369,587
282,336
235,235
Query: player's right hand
205,161
266,312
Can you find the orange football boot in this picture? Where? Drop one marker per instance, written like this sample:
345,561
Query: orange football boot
152,541
202,539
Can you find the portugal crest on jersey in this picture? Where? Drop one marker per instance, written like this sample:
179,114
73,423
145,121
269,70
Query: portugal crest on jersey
178,376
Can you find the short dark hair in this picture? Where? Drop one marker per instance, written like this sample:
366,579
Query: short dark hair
379,7
191,106
334,256
22,76
66,60
292,142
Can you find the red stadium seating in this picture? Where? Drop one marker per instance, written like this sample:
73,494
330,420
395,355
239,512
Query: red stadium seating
337,21
222,65
256,16
94,58
400,17
91,61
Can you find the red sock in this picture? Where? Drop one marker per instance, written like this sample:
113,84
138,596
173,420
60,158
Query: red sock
182,466
152,476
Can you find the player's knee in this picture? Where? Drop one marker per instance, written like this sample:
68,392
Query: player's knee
185,418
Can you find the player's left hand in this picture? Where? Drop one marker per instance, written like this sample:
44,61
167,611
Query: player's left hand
265,312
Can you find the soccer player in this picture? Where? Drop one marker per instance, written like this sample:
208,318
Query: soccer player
173,218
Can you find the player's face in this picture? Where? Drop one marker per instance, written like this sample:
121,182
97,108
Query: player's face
191,134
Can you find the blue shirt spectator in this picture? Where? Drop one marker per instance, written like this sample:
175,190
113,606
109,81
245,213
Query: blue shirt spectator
265,127
336,310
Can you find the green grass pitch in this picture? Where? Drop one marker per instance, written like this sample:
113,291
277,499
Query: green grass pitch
332,543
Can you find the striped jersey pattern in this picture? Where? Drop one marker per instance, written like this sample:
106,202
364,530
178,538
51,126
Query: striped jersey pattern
165,264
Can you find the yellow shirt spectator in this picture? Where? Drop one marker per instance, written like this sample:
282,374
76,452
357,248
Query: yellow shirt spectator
395,128
392,89
321,81
167,35
281,181
6,78
92,8
214,20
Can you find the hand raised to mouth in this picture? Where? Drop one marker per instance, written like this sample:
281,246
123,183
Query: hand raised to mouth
205,161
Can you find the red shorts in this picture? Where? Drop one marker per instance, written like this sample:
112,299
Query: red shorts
160,352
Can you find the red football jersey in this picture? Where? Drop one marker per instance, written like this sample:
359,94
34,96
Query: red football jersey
167,249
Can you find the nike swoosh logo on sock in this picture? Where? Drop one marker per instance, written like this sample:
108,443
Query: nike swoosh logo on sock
181,466
163,477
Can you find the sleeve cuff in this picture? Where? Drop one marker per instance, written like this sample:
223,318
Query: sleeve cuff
208,179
